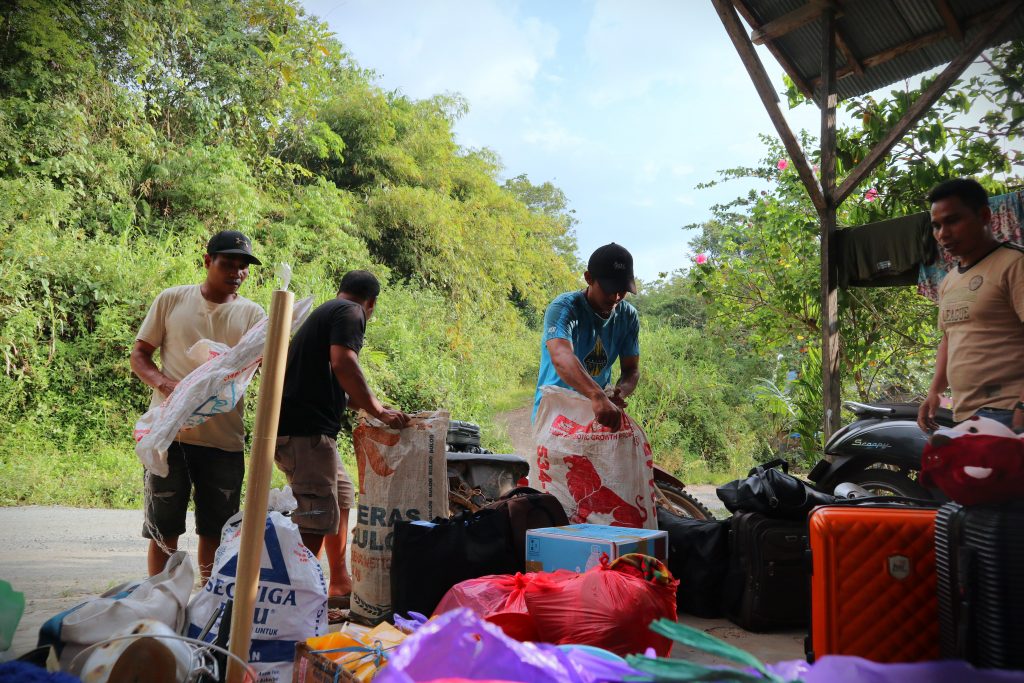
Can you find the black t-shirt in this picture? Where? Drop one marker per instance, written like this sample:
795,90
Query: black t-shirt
313,401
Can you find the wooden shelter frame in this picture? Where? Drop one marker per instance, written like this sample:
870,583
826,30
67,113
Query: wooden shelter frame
824,193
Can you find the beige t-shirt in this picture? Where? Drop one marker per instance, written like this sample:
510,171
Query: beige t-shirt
981,311
178,318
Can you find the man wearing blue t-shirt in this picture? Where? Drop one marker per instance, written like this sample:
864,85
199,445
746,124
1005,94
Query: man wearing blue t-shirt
585,331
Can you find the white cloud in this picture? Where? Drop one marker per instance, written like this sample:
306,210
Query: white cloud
640,46
479,48
553,137
684,199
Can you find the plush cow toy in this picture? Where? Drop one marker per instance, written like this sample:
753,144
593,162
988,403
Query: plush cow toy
978,461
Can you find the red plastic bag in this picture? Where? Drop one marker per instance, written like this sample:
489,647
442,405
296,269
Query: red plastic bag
609,606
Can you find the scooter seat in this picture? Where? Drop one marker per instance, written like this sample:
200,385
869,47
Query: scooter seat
897,411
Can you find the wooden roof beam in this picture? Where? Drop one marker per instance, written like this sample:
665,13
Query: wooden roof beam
770,99
909,46
776,28
996,22
952,25
780,57
851,59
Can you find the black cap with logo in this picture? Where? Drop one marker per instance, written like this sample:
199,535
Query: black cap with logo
231,242
612,267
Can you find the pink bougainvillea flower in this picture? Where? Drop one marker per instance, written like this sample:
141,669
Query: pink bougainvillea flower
816,168
782,164
701,259
871,195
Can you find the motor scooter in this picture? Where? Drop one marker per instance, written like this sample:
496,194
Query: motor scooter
879,451
477,477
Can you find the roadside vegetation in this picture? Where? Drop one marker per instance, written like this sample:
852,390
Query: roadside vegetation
130,132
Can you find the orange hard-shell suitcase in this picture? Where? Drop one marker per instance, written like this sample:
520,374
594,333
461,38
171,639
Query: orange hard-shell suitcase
873,586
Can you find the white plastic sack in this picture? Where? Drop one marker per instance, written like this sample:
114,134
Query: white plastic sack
162,598
213,388
291,598
599,476
403,476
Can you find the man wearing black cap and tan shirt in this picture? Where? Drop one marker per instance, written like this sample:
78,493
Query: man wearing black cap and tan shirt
208,457
585,331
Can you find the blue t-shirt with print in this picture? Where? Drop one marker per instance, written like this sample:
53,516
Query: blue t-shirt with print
595,341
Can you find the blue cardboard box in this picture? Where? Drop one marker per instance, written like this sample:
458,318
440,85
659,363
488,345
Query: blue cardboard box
578,547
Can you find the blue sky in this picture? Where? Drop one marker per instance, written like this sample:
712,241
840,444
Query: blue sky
626,106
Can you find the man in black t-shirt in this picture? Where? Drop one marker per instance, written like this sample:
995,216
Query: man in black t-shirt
322,378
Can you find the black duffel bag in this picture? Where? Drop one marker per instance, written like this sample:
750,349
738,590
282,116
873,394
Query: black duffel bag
698,555
427,560
773,493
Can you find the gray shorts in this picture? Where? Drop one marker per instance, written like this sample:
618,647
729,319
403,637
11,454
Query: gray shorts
319,481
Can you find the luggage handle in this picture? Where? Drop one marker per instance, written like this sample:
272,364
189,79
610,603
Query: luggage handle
917,502
773,500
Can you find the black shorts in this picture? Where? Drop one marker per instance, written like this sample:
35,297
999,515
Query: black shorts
216,477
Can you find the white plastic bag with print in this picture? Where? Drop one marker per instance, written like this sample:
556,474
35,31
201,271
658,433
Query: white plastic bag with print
599,476
291,598
213,388
402,476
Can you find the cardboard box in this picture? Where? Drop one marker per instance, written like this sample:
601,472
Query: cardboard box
578,547
313,666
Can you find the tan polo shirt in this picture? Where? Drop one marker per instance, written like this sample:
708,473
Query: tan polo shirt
178,318
981,311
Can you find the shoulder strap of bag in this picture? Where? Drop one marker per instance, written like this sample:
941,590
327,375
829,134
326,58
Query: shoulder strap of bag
777,462
520,491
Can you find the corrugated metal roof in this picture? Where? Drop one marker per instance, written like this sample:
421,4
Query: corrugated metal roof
871,27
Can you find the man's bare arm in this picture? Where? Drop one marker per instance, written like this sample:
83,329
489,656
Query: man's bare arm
141,361
629,377
926,413
572,372
346,368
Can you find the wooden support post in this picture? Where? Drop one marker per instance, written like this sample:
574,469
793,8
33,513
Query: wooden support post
769,98
930,96
261,458
829,272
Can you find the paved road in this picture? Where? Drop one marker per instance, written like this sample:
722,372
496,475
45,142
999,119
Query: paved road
60,556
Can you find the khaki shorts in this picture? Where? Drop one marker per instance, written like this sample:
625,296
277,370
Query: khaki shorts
319,481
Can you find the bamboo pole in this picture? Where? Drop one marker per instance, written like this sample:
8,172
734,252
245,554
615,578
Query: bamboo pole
257,491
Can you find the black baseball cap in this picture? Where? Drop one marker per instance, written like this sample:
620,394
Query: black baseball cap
612,267
231,242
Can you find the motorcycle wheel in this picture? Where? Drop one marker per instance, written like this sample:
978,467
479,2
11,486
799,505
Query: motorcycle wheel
883,482
679,502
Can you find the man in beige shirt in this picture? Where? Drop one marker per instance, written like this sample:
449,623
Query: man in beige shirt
207,458
981,312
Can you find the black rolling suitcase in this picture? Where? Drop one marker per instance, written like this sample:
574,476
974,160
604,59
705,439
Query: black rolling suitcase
768,584
979,560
